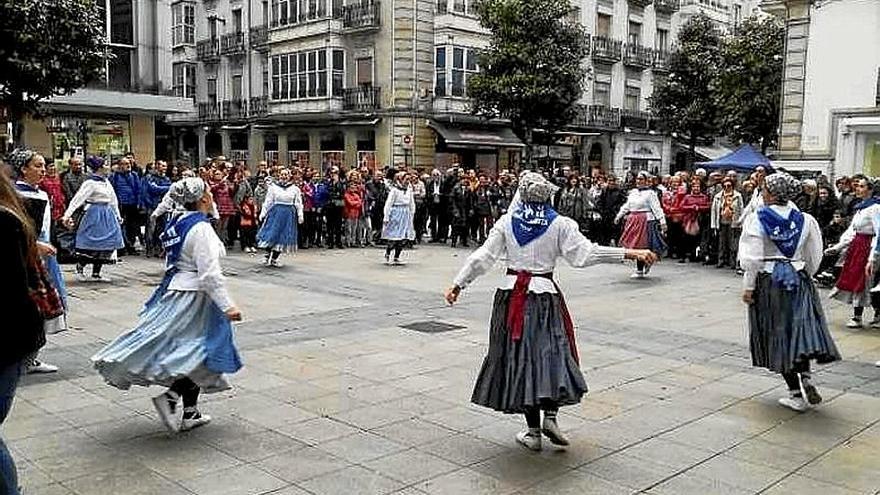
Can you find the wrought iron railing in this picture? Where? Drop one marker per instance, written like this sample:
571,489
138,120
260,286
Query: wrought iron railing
232,43
362,99
258,106
638,55
361,15
661,60
209,111
666,6
593,116
636,119
234,109
259,36
605,48
208,50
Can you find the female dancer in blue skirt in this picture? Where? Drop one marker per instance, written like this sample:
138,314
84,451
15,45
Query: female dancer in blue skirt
281,213
780,250
397,221
30,168
183,339
98,234
532,363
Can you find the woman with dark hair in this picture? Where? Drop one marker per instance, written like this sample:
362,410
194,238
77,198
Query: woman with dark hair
645,222
780,250
574,201
98,234
532,362
398,227
280,216
183,339
854,284
694,207
19,254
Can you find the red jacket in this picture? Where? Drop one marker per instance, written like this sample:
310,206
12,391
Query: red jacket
354,203
248,215
53,187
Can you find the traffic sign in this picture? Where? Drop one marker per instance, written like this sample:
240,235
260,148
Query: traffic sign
407,141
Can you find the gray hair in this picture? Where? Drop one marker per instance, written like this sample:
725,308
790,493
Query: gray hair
187,190
535,188
782,186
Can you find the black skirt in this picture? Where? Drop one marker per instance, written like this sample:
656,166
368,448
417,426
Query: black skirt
539,369
788,327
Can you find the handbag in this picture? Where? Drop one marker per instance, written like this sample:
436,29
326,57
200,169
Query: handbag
44,295
691,226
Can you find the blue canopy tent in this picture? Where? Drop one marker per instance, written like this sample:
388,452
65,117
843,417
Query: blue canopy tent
745,159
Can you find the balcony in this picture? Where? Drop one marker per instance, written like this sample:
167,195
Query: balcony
636,120
232,44
661,61
638,56
209,112
235,110
364,15
259,106
208,51
597,116
606,49
640,3
666,6
259,37
442,7
362,99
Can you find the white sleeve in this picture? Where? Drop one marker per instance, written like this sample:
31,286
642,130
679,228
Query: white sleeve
164,206
845,239
267,203
715,216
580,252
207,250
751,251
812,249
298,204
114,203
623,209
484,258
389,202
79,198
657,210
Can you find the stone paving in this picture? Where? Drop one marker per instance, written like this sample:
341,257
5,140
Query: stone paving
337,398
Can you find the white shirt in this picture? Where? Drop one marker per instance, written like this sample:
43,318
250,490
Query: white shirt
756,202
755,247
168,205
400,197
277,195
642,200
199,265
562,239
94,191
863,222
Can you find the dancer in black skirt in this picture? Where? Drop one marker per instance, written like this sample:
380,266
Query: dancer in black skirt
780,250
532,363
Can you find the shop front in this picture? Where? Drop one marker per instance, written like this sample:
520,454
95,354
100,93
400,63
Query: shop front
643,155
486,149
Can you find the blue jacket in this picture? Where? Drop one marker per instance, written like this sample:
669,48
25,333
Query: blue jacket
153,189
321,194
127,186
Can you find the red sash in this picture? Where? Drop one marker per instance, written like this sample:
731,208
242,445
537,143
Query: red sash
517,306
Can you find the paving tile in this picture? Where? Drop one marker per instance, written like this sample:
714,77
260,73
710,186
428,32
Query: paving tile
759,452
256,446
178,457
411,466
361,447
136,482
317,430
463,449
238,480
851,465
301,464
87,460
578,483
331,404
520,467
628,471
466,481
372,416
802,485
277,415
354,479
688,484
53,489
461,418
30,477
65,442
668,453
738,473
413,432
16,427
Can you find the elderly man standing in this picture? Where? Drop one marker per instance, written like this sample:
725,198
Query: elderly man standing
73,178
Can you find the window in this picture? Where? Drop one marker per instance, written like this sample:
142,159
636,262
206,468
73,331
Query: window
661,41
264,62
281,13
212,90
602,93
184,75
464,62
632,98
459,6
212,27
118,17
121,22
183,25
635,33
603,25
737,14
236,21
364,76
311,74
440,71
236,87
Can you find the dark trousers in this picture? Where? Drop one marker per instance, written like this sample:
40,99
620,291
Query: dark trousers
248,237
533,414
434,220
396,247
444,222
131,219
9,375
792,379
420,219
675,238
187,390
728,242
709,251
310,229
333,214
232,228
484,225
460,233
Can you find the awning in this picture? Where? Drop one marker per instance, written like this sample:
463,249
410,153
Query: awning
476,137
713,152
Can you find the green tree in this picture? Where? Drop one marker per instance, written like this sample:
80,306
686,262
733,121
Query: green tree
47,48
750,82
685,102
533,71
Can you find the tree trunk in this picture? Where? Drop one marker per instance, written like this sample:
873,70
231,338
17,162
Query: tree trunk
692,151
528,161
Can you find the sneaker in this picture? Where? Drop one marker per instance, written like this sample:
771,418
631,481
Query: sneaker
194,420
398,262
877,364
529,440
809,391
387,259
266,261
39,367
875,323
102,278
854,323
81,277
166,406
275,263
637,274
794,403
551,430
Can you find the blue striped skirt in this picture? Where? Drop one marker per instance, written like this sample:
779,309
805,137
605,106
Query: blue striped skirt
99,229
399,224
279,230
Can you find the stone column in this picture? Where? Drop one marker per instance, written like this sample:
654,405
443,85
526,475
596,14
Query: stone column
203,154
256,147
226,144
283,158
315,151
797,33
350,136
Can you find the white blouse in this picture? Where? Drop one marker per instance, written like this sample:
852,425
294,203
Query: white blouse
277,195
399,197
756,249
642,200
94,191
562,239
199,265
864,222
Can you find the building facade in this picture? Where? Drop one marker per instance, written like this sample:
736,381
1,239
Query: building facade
124,111
726,14
830,120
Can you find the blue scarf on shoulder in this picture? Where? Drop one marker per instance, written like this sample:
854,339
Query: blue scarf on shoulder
531,220
172,240
785,234
873,200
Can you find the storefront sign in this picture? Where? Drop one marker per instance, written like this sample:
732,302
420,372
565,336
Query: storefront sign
643,150
556,152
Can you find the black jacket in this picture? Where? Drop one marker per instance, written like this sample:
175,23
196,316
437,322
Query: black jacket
24,335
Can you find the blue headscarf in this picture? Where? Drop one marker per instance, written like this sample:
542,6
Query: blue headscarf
533,214
785,234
